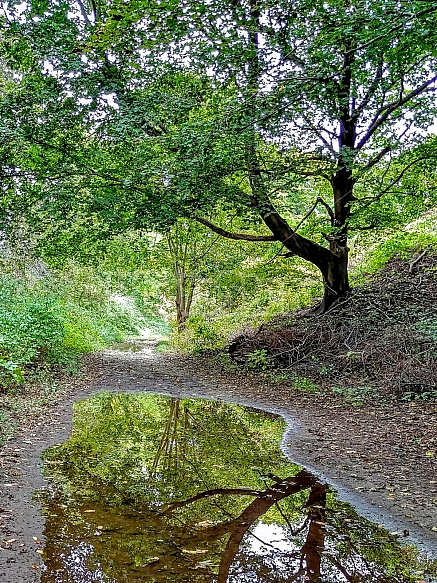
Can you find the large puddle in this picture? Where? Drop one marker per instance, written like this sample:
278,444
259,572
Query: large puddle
155,489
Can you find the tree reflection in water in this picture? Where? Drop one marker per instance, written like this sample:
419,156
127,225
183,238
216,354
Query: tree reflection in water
150,488
236,528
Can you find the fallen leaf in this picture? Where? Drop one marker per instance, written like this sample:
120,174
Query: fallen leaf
40,551
35,538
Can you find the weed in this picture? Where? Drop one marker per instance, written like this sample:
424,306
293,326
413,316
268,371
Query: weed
281,378
10,372
429,394
305,385
326,370
356,396
258,360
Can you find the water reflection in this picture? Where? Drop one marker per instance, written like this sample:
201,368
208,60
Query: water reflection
154,489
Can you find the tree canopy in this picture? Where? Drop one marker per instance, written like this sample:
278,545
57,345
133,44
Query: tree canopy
307,122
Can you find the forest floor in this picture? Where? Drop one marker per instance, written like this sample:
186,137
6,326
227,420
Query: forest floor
356,388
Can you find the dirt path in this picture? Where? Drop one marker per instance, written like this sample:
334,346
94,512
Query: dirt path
380,459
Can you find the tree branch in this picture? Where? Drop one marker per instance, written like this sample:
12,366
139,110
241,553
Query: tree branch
389,109
377,158
373,87
84,13
393,29
371,199
312,209
235,236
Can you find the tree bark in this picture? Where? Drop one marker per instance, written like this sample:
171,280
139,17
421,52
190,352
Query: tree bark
184,297
185,285
332,262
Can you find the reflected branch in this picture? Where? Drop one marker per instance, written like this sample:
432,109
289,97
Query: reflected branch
208,494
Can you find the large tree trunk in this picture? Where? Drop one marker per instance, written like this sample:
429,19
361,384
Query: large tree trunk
335,278
332,262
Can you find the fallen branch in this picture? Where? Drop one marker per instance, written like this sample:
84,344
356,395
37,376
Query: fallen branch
416,261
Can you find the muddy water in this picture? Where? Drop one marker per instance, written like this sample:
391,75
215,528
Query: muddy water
155,489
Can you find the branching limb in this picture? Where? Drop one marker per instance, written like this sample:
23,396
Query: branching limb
385,112
371,91
235,236
377,158
84,12
328,209
371,199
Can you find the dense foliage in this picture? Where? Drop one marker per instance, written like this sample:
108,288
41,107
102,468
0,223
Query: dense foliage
52,316
287,116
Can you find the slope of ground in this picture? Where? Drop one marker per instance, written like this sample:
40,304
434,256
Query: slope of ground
379,343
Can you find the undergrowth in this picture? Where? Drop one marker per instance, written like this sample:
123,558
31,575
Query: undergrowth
380,343
52,317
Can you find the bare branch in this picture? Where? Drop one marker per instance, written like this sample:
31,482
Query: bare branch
416,261
389,109
327,207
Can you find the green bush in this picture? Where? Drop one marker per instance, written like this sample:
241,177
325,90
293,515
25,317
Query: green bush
31,322
400,244
259,360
